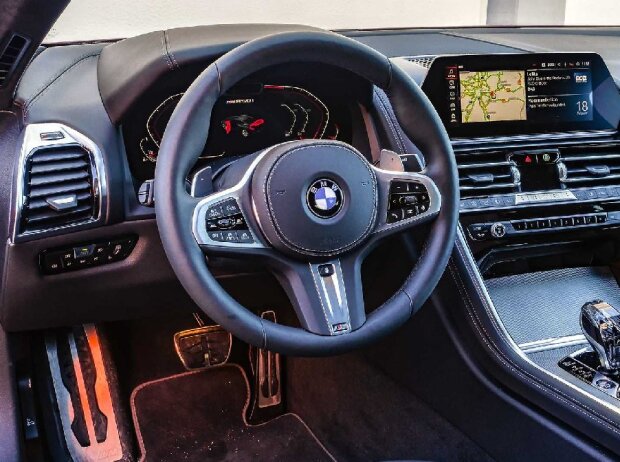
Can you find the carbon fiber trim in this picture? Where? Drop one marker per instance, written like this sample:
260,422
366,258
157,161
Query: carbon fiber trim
546,304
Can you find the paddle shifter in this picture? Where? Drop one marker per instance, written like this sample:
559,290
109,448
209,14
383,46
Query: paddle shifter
600,323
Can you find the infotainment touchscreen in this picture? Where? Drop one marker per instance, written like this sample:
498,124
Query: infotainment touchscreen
519,94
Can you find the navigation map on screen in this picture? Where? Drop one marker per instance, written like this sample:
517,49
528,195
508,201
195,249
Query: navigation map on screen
491,96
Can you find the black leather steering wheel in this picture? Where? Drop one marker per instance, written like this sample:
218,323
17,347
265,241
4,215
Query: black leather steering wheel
309,210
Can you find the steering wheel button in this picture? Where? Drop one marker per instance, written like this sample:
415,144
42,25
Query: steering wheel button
216,236
214,212
408,200
394,216
245,236
326,271
399,187
230,207
225,223
230,236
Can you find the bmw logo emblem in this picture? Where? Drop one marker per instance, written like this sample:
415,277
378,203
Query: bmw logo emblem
324,198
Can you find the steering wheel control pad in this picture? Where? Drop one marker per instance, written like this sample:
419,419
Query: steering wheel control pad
315,198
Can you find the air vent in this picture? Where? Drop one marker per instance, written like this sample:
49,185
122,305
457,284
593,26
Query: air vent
12,53
58,189
424,61
591,165
486,174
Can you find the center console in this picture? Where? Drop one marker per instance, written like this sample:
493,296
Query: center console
538,154
535,141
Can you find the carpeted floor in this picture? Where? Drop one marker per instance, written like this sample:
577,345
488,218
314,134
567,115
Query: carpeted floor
199,416
360,414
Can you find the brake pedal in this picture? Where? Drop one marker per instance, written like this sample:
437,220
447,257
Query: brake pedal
203,347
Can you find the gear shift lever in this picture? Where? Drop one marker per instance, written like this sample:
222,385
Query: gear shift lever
600,323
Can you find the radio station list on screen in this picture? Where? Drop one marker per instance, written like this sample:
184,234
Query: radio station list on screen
549,92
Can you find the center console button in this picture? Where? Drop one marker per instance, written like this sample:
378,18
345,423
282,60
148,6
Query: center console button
602,193
479,231
556,222
543,224
579,221
484,202
531,224
498,230
567,221
497,201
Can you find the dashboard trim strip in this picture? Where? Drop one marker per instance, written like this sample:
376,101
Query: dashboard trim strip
458,142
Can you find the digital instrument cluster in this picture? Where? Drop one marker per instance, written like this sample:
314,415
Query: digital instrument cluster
249,118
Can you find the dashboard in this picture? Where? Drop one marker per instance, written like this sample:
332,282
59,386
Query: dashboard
533,173
277,105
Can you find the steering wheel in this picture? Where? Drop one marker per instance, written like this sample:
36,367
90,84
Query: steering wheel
309,210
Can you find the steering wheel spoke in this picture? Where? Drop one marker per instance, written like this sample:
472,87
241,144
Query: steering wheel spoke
327,296
406,199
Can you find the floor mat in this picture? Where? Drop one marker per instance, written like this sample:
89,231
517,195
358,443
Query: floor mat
361,414
199,416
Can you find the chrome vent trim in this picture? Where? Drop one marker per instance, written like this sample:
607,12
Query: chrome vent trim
590,165
484,173
67,162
